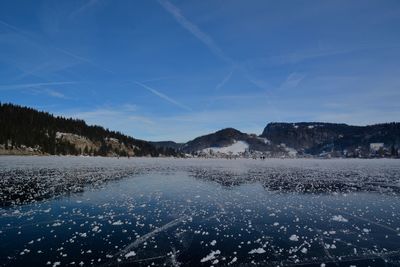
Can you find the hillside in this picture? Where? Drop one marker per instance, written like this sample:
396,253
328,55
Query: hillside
304,139
27,131
167,145
315,138
229,141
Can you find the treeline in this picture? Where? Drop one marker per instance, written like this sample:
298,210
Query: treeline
23,126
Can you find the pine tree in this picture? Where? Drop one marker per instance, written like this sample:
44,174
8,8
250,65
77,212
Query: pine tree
26,126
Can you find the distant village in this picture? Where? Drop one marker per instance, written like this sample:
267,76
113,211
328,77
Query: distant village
375,150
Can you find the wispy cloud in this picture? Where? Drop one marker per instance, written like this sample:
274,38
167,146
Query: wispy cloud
32,71
48,92
118,118
38,88
163,96
193,29
83,8
142,119
109,116
130,107
315,53
159,79
31,85
55,93
300,56
80,59
257,82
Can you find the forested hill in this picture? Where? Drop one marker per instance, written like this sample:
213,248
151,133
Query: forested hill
28,131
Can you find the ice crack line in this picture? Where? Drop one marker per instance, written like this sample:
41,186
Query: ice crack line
145,237
365,220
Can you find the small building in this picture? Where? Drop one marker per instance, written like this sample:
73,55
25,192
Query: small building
375,147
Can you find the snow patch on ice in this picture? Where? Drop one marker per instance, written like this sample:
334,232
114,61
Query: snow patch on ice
257,250
339,218
233,261
130,254
210,256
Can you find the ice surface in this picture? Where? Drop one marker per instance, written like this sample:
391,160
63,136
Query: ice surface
195,212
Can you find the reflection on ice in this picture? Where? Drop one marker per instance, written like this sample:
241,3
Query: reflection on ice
201,212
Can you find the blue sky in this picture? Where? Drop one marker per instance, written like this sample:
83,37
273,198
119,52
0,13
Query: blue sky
173,70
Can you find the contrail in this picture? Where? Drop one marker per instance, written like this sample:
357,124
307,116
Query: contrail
193,29
82,59
212,46
218,87
161,95
224,81
13,28
63,51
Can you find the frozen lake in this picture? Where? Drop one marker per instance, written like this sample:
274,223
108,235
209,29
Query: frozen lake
68,211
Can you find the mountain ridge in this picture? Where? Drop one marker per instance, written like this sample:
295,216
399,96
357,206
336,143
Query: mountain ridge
25,130
305,139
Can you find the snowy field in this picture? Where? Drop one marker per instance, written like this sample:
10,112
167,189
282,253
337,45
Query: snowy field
79,211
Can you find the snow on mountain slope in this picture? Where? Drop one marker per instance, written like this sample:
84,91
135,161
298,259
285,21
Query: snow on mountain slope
236,148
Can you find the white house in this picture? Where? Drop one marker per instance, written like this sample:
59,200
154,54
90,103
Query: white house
374,147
